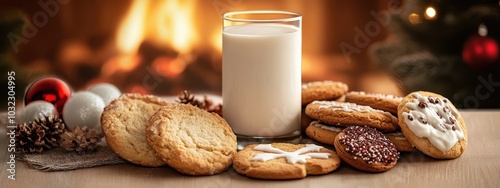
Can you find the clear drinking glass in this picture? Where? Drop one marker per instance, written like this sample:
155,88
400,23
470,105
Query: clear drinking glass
261,75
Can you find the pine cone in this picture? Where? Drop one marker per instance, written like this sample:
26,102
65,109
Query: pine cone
188,98
210,108
205,104
82,140
43,133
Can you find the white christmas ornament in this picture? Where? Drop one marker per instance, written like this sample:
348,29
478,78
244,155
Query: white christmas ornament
83,108
108,92
37,109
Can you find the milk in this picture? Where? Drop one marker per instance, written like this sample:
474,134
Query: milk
262,79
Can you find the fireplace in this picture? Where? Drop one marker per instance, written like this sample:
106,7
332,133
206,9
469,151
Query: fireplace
165,46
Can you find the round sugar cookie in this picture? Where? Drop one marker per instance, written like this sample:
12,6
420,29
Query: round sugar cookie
322,90
433,125
284,161
124,122
384,102
366,149
191,140
347,114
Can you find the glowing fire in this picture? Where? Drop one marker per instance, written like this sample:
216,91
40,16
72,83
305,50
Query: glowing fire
130,33
167,23
217,41
178,24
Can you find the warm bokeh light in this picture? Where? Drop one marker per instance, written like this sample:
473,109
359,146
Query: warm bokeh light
216,40
169,67
430,13
414,18
121,63
482,30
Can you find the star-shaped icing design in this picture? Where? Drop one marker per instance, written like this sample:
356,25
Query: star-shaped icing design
299,155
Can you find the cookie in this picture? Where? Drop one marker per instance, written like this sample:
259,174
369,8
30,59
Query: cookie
322,132
284,161
433,125
124,122
322,90
191,140
347,114
340,99
325,133
399,139
366,149
304,120
384,102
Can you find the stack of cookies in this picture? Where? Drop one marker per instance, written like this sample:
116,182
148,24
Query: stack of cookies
369,130
329,113
148,131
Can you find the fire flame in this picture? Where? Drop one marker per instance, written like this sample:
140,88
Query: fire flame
130,33
178,24
169,23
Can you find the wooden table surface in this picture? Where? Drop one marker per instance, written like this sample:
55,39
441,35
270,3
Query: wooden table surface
479,166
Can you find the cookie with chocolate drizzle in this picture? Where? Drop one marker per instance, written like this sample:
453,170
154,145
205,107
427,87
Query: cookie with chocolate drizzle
433,125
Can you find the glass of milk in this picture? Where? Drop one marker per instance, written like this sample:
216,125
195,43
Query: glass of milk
261,73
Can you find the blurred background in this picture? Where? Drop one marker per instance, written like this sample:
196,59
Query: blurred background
162,47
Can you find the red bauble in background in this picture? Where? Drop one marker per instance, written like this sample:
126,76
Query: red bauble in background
50,89
480,51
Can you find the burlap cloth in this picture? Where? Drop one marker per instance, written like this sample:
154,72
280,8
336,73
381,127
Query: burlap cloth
59,159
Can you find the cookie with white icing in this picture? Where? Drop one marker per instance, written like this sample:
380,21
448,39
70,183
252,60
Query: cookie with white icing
322,90
366,149
323,132
379,101
433,125
347,114
284,161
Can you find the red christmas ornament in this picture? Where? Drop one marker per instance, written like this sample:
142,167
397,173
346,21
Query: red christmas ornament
480,51
50,89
